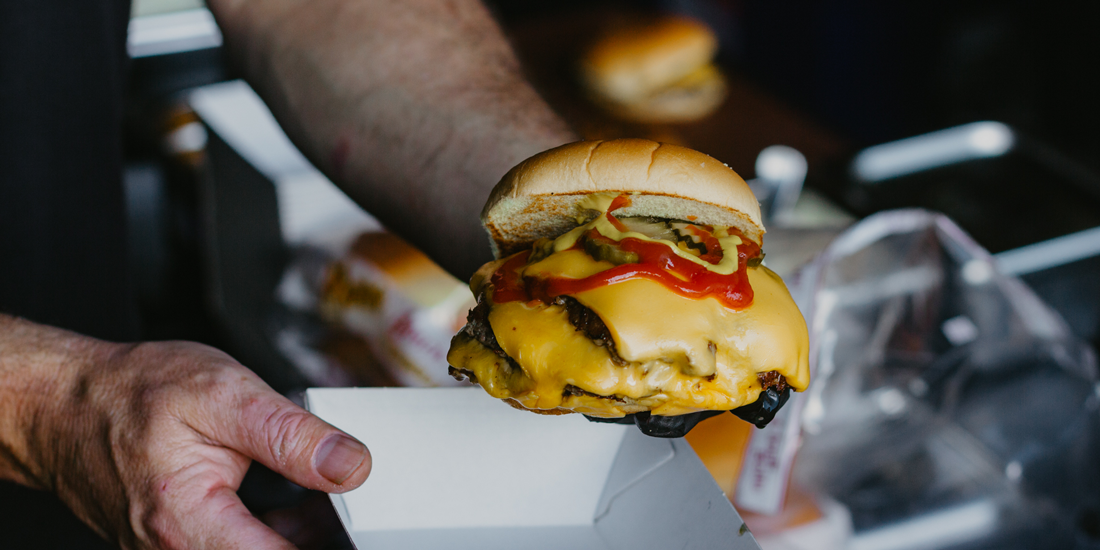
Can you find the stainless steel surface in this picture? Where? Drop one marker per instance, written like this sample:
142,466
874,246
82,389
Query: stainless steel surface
173,32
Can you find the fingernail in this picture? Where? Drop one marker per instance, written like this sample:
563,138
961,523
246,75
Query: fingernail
338,457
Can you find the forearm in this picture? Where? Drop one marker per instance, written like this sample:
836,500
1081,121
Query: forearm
38,367
415,107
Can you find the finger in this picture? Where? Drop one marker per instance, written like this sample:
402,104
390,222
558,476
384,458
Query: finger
286,438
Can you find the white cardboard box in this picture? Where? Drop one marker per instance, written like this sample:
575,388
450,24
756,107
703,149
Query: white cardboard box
456,469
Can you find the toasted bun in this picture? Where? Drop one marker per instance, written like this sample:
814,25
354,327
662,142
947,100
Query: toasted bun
539,197
630,63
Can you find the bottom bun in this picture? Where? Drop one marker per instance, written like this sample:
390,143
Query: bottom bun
688,100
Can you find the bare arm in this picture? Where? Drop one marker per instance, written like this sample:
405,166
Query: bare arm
415,107
31,365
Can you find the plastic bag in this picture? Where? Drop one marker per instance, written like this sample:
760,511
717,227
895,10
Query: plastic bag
950,407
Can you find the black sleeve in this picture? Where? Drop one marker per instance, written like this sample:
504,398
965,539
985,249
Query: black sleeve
62,224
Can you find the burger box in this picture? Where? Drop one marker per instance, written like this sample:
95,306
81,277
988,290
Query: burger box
456,469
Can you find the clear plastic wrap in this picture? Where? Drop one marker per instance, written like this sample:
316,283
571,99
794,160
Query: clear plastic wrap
950,407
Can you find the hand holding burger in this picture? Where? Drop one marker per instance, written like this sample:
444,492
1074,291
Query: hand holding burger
629,287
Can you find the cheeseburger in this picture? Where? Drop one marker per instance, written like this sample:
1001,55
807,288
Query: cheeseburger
629,288
655,71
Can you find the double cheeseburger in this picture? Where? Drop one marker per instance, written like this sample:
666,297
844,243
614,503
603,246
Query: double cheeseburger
629,288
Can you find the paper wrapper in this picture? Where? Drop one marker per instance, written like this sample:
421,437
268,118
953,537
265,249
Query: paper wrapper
404,306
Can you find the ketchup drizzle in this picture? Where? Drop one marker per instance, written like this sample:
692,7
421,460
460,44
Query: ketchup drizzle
657,262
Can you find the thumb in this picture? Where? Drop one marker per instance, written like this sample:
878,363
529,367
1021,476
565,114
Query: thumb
289,440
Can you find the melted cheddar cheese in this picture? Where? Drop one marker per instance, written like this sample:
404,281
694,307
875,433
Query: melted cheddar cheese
684,354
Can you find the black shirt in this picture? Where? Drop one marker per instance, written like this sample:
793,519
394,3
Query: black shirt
62,218
62,225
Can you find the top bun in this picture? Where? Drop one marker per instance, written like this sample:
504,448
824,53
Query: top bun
539,197
632,62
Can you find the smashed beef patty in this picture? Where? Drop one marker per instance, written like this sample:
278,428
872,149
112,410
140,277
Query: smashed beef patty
583,320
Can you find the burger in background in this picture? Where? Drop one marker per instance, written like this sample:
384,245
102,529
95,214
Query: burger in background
400,305
658,70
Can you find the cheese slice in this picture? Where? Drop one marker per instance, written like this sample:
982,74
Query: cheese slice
703,337
649,322
684,354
